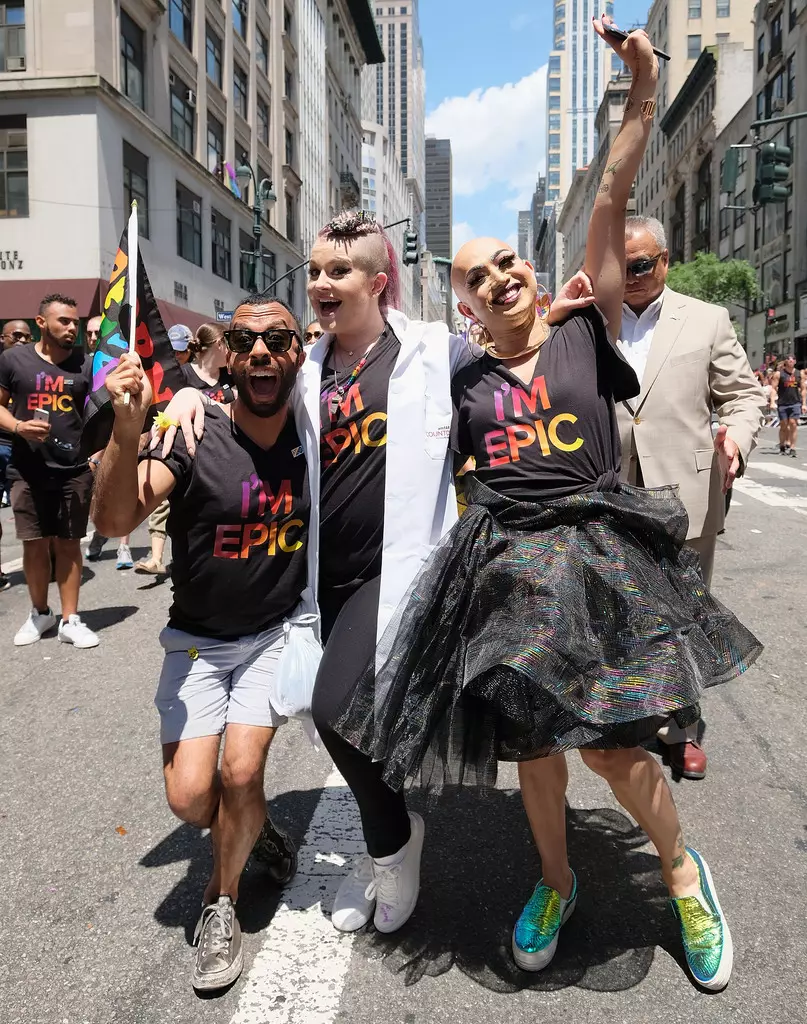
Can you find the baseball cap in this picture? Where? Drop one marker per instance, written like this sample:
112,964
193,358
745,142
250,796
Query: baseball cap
180,337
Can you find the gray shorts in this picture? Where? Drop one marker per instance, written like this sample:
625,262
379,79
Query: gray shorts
206,683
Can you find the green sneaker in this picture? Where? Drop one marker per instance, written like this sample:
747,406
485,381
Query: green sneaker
535,936
705,932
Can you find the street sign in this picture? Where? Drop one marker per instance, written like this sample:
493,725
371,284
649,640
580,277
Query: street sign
224,315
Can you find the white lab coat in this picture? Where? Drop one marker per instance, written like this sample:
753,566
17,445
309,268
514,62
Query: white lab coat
419,500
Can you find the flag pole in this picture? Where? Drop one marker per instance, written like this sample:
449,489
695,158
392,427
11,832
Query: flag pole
132,275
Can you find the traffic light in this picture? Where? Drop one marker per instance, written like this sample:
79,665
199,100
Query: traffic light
411,248
731,171
773,168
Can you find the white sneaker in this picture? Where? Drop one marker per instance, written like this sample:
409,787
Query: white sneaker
396,887
35,625
351,908
124,557
76,633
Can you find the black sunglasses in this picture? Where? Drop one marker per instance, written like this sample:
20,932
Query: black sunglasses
277,339
641,268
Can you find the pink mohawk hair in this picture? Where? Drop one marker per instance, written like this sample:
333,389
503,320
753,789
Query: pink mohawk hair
354,224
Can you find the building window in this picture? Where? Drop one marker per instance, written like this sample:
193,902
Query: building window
288,84
13,166
183,114
291,218
761,52
693,47
245,261
776,35
554,159
724,8
760,105
794,14
266,270
215,145
262,51
289,287
725,223
240,90
791,79
132,61
240,17
213,56
189,225
180,20
289,138
136,185
262,108
739,215
220,229
287,23
12,35
694,9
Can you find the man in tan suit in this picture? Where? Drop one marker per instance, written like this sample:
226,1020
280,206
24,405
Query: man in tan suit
689,363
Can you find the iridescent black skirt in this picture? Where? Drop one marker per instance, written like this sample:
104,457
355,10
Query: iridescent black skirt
538,628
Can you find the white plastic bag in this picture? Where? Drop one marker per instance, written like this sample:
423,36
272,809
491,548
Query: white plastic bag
293,684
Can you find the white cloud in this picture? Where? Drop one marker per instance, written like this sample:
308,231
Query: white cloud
512,240
498,137
461,233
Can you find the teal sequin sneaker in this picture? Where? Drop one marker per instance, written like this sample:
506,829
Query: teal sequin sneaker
705,932
535,936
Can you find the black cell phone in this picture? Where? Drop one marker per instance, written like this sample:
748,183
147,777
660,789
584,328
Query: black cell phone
620,34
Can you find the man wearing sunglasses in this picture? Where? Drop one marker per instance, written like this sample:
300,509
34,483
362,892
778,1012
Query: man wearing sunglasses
238,523
689,362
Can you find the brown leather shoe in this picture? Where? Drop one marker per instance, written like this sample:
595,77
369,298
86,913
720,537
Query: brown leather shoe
688,760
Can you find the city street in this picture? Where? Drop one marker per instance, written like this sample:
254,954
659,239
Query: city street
103,884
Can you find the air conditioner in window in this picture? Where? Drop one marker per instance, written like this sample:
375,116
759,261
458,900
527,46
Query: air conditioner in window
15,63
190,98
777,105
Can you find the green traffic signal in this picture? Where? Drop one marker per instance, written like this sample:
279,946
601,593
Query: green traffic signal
773,166
411,248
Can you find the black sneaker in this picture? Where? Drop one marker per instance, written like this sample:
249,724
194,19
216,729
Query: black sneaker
278,854
5,582
793,453
219,957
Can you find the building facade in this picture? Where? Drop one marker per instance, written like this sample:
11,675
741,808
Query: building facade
580,64
163,108
715,91
683,29
439,201
524,232
394,95
385,194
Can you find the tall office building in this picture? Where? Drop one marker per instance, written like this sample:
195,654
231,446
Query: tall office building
580,64
394,95
524,232
438,197
162,109
683,30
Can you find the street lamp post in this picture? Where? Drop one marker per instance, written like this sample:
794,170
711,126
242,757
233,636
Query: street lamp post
264,195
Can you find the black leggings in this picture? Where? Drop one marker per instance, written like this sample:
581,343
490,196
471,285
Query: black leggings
349,629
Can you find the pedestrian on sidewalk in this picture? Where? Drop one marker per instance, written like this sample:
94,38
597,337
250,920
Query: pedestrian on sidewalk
238,523
689,362
15,332
47,383
789,398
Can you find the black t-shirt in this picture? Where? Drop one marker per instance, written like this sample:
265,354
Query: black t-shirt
238,525
789,390
222,392
557,435
59,388
353,467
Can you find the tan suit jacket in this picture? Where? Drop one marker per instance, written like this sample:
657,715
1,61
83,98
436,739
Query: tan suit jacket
695,364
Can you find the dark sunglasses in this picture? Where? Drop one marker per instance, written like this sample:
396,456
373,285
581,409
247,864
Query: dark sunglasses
641,268
19,334
278,339
311,335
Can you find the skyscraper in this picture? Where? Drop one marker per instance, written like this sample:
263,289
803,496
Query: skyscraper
580,64
438,197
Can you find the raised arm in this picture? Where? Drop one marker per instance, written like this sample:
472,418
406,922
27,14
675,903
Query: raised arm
126,491
605,249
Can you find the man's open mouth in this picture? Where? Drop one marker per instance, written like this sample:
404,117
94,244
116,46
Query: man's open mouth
263,383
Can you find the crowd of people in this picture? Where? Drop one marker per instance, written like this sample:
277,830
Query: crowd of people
785,388
309,476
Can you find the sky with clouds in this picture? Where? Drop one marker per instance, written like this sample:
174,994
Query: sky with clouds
486,91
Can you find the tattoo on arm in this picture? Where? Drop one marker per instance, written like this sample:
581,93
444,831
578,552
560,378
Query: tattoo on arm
604,188
678,861
630,103
612,168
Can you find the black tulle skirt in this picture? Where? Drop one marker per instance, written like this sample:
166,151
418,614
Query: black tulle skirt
538,628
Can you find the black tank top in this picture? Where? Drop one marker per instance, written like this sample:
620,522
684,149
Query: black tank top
789,390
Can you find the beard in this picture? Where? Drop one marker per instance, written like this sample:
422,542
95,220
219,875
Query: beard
264,410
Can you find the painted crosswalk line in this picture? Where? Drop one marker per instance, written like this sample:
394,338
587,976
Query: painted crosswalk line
777,497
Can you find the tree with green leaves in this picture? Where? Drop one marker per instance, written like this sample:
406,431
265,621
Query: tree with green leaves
714,280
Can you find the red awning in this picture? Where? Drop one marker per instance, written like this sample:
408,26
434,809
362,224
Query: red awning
19,300
173,314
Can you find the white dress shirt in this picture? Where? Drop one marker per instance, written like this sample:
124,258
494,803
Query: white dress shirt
637,334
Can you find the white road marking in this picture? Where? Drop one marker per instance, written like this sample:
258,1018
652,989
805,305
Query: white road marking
779,469
777,497
299,973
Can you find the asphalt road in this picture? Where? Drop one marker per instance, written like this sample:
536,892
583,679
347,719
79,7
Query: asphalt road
102,884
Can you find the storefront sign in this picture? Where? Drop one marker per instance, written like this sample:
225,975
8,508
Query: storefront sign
10,259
